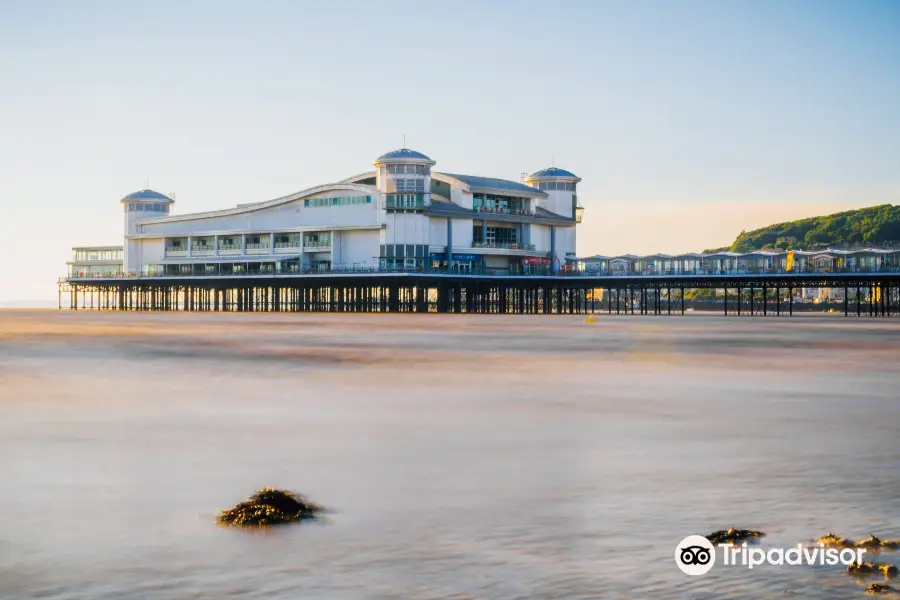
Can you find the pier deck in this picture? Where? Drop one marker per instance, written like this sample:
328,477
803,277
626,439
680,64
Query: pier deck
874,294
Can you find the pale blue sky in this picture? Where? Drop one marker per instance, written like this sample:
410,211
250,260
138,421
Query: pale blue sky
688,121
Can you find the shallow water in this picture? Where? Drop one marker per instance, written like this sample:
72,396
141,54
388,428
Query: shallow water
463,457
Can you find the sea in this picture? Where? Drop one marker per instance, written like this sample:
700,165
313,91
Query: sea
460,457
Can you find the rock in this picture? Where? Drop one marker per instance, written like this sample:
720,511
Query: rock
871,542
733,536
875,543
870,568
830,539
269,506
879,588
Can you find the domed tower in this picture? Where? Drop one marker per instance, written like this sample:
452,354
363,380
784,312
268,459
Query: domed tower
143,204
561,188
404,177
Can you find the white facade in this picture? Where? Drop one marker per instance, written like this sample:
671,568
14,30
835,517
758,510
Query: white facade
402,215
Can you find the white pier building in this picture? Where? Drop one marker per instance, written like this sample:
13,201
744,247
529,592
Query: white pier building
402,215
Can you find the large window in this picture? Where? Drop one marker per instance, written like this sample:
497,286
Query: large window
496,236
410,185
287,240
499,204
406,201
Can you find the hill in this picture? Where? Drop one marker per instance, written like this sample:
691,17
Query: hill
873,226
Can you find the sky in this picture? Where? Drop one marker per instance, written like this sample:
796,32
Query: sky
687,121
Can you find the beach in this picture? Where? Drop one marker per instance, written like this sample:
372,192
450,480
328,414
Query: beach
484,456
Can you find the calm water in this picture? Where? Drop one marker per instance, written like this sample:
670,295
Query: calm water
485,457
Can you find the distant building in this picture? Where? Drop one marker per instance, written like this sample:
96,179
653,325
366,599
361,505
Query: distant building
401,215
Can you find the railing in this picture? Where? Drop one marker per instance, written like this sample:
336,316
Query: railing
713,272
504,211
503,245
294,244
316,244
202,248
523,271
229,248
399,204
259,246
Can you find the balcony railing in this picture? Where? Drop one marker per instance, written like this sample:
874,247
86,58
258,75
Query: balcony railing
316,243
528,271
405,204
229,248
503,245
292,244
524,212
202,248
257,246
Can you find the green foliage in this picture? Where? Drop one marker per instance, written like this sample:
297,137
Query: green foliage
876,225
700,294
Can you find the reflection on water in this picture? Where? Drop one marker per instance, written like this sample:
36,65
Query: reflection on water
485,457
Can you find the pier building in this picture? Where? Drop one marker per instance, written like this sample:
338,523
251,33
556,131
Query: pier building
406,237
403,215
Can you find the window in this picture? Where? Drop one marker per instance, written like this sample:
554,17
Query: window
552,186
339,201
409,169
410,185
498,203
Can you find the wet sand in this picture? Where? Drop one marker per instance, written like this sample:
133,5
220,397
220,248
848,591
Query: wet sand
464,457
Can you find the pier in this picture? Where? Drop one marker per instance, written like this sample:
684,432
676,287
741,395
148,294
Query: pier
875,294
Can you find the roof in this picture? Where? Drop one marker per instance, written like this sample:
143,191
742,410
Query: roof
147,195
553,172
440,204
543,213
401,154
492,183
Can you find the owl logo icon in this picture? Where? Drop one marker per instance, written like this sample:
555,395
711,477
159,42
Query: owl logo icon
695,555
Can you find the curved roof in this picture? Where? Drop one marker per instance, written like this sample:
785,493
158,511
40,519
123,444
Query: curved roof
492,183
401,154
552,172
147,195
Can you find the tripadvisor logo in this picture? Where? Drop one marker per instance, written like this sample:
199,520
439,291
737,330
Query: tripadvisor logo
696,555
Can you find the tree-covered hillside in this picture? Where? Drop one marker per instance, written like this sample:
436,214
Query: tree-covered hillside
873,226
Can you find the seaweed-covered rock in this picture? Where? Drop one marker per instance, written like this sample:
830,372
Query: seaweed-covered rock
269,506
733,536
836,541
870,568
879,588
874,543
